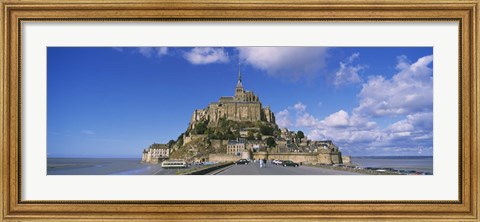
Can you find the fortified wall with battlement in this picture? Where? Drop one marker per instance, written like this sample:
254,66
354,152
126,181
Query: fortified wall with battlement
304,158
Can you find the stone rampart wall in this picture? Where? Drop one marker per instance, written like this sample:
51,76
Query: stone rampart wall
336,158
324,158
295,157
346,159
310,158
222,157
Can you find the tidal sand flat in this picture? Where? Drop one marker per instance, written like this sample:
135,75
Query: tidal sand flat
100,166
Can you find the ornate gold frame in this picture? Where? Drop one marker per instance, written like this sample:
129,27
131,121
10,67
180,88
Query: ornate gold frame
14,12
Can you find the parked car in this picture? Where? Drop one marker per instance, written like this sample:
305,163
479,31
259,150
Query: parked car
279,162
289,163
241,161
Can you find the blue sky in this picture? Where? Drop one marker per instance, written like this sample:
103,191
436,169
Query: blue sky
113,102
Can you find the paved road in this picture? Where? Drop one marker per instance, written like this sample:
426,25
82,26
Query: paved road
271,169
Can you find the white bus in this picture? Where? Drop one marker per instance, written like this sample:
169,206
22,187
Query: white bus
174,164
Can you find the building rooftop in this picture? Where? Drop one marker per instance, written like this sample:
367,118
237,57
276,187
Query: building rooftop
237,141
226,98
159,146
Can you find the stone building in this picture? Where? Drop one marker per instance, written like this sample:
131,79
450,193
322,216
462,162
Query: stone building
256,145
325,144
236,147
156,153
243,106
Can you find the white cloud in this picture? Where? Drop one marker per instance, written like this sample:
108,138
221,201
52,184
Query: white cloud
162,51
345,138
345,129
206,55
150,52
353,57
339,118
293,63
412,122
342,119
348,73
283,119
299,107
401,126
87,132
306,120
145,51
303,119
409,91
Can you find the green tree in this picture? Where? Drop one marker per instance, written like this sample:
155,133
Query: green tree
259,136
180,140
200,128
250,135
300,134
271,142
266,130
223,122
230,135
236,134
171,143
209,131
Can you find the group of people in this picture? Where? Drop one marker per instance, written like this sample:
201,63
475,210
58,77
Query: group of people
263,163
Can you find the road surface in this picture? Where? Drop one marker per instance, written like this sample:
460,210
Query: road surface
271,169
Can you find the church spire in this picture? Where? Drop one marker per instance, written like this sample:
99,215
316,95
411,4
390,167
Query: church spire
239,82
239,74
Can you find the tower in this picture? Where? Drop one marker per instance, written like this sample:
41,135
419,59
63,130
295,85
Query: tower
239,91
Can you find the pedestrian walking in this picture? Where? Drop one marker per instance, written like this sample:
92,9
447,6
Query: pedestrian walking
261,163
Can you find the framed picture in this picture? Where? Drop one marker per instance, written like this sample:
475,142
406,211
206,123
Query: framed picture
249,111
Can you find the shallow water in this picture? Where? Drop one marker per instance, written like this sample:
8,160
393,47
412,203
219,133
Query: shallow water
421,164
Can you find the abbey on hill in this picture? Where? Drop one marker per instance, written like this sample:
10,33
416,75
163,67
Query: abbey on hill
244,106
240,127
